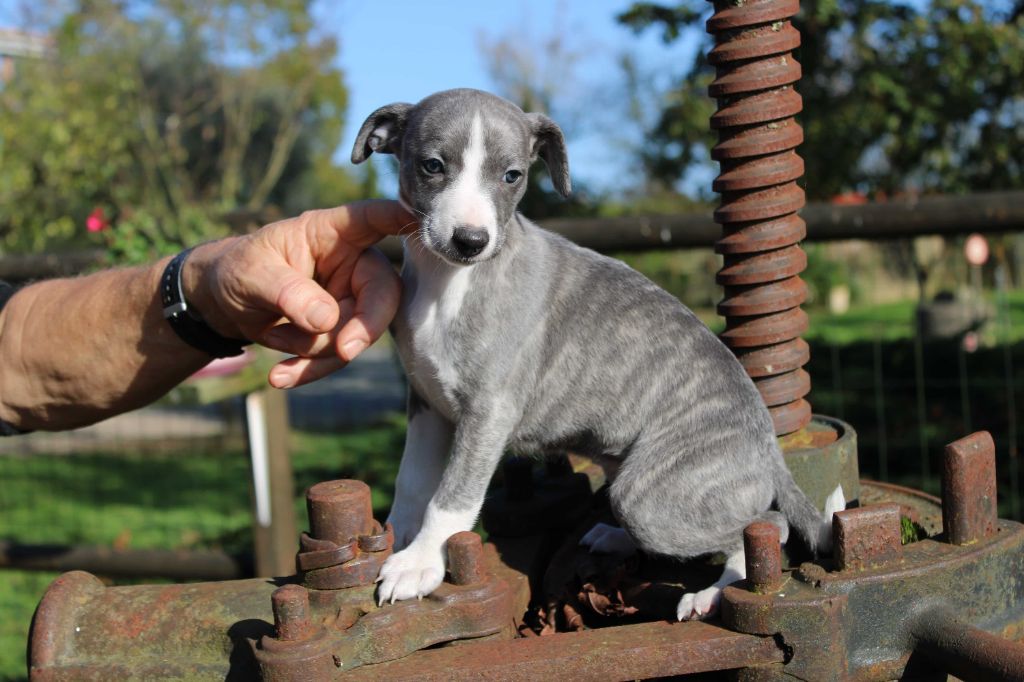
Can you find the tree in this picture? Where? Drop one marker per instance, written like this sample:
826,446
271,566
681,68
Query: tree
537,75
166,117
896,96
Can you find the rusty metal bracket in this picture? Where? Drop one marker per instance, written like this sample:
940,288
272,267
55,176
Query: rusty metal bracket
885,611
879,611
473,603
277,629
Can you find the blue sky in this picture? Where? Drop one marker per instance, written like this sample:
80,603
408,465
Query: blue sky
404,50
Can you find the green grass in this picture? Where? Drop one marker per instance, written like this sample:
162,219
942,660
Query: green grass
884,322
20,591
180,500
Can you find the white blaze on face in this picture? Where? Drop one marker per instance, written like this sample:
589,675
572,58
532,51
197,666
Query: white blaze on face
466,202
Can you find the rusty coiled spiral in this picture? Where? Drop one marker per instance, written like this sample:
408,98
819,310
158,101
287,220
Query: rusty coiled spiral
757,138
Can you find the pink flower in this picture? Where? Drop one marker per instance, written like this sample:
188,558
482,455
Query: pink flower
96,222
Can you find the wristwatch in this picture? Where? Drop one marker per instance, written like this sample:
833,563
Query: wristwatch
185,321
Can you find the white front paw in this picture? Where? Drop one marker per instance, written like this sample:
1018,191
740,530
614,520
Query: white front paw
605,539
699,605
414,572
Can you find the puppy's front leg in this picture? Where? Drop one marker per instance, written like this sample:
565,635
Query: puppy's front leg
428,441
419,569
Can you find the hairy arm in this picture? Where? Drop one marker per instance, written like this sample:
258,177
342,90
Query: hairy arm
75,351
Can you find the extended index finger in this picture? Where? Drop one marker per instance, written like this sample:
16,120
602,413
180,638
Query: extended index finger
364,223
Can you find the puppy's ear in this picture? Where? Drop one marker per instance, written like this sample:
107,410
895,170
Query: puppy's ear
381,132
549,144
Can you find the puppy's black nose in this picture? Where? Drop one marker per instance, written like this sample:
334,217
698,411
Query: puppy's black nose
469,241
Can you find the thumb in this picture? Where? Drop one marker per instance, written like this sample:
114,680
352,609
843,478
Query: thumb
304,302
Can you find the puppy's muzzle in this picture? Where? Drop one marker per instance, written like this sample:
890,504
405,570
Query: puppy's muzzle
469,241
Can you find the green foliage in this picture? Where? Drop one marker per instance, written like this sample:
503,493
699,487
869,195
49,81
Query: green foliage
896,96
141,236
169,116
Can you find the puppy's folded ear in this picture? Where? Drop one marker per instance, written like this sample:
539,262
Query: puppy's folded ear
381,132
549,144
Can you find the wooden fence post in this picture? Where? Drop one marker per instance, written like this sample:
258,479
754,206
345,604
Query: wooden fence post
275,535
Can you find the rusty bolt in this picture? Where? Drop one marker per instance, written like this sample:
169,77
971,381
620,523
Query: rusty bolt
969,489
465,558
518,478
763,554
339,511
867,537
291,612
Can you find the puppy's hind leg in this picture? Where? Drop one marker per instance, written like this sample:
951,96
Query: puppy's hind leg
703,604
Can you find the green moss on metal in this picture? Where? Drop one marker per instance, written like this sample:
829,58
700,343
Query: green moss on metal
911,531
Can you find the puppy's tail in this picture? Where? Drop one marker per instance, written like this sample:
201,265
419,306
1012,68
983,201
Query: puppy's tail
814,526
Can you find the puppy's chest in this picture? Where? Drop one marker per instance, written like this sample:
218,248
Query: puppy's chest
431,351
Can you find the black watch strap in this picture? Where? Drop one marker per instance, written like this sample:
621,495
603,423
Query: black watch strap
185,322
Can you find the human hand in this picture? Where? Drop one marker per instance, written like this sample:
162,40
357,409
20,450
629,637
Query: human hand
310,286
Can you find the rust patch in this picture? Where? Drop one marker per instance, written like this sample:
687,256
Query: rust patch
867,537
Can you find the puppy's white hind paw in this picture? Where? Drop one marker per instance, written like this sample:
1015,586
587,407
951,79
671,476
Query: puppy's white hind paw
835,502
414,572
605,539
699,605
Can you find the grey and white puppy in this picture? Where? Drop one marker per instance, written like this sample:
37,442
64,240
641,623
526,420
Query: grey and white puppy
514,338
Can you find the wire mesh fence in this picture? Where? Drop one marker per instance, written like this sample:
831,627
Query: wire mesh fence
907,398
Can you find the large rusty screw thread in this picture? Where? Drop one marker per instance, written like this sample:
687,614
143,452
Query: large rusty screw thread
290,604
761,231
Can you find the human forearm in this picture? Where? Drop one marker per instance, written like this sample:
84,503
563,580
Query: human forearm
75,351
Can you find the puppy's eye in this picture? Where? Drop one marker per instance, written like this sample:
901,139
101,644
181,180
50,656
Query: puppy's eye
513,176
433,166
